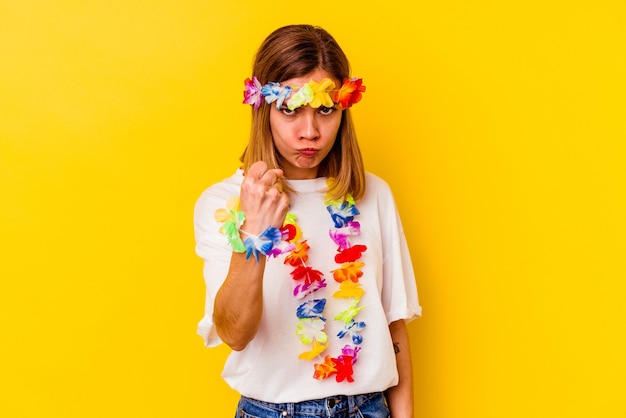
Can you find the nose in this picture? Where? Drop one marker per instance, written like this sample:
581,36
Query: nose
309,128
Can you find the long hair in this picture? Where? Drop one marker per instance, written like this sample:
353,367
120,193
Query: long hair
295,51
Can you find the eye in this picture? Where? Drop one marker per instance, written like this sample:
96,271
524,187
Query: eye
323,110
288,112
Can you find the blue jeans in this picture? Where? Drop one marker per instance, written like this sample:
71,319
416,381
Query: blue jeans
369,405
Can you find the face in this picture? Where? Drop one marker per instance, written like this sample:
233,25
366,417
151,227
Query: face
303,137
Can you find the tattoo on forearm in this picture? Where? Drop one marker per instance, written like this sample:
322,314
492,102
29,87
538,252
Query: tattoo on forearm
396,347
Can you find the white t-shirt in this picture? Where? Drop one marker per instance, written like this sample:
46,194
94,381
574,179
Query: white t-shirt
268,368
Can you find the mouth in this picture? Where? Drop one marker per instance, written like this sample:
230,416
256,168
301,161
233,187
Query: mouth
308,152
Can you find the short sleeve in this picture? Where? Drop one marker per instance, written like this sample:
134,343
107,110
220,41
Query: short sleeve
212,247
399,293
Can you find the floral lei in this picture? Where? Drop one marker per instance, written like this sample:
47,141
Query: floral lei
312,93
311,322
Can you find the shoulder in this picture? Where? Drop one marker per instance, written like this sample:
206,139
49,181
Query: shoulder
376,186
218,193
378,196
225,186
375,181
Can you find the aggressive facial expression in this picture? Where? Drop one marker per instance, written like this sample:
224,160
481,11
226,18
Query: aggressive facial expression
304,136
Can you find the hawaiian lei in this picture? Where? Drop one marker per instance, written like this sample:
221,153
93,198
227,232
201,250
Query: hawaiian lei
312,93
311,322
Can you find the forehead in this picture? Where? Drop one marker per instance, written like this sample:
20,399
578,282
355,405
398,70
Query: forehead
316,75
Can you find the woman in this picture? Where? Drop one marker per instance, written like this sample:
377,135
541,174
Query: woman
308,275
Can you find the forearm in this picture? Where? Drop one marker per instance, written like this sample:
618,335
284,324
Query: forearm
400,397
239,302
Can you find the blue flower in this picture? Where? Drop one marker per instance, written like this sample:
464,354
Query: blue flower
262,243
342,214
274,93
353,329
312,309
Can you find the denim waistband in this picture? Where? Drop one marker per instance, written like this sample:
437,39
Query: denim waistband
333,406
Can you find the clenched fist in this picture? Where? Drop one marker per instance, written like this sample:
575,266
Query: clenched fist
262,199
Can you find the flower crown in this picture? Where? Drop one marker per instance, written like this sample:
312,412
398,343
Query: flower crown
312,93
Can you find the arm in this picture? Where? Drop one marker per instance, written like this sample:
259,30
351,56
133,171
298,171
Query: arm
239,301
400,397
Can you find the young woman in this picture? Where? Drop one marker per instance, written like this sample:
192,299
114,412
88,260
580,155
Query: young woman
307,271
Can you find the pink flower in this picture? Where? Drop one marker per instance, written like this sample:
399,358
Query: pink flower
252,93
350,351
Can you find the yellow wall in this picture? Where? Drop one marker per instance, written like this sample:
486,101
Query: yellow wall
500,125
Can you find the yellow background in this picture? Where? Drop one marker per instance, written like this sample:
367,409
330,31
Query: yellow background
500,126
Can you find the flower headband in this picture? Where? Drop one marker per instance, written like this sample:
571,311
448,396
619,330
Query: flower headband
312,93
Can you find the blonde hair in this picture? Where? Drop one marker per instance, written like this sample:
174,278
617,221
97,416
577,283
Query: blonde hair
295,51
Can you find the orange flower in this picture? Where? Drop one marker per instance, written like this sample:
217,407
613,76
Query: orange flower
325,369
299,256
350,92
348,271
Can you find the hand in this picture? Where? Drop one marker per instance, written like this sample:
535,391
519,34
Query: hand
262,199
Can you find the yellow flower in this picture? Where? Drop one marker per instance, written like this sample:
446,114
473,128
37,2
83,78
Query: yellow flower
317,349
232,207
349,289
320,93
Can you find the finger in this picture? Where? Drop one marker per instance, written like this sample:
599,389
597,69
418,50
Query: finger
271,176
287,201
278,172
257,170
